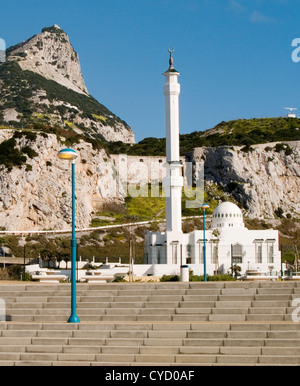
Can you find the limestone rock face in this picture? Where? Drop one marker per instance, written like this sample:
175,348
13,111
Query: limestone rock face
51,55
38,197
263,180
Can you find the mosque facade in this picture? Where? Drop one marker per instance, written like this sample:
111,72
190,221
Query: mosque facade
228,243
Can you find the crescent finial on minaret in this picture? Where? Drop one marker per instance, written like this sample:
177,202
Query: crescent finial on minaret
171,61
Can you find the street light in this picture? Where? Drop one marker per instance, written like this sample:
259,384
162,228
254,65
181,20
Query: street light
204,207
71,155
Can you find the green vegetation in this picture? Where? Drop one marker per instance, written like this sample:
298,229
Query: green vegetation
192,277
283,147
19,86
14,272
144,207
170,278
148,146
29,152
53,29
290,241
11,155
242,132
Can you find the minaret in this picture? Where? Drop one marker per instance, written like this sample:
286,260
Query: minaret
173,182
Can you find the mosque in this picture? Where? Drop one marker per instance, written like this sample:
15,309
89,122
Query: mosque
226,243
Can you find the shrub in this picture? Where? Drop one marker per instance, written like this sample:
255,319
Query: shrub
247,148
30,152
279,212
283,147
118,279
225,277
170,278
10,156
15,271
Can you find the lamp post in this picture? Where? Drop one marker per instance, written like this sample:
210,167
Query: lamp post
71,155
204,207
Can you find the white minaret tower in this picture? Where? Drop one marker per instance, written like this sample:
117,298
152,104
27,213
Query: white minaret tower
173,182
167,247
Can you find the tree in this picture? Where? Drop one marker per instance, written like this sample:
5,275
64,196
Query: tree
236,269
216,234
63,250
292,231
48,253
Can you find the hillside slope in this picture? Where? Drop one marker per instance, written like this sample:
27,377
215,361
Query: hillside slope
242,132
41,85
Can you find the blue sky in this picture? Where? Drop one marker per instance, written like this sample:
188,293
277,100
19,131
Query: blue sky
234,56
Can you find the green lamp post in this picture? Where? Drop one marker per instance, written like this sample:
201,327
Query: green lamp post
71,155
204,207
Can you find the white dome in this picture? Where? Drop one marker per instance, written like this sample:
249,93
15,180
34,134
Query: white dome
227,215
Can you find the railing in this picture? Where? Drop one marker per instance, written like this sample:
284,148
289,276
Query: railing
24,233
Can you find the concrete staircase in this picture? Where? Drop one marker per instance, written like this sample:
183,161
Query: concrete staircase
152,324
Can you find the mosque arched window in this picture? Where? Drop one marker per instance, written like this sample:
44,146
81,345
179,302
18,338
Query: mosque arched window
175,252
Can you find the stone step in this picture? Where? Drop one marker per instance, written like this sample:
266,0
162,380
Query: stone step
230,311
32,299
275,291
190,317
241,359
264,317
274,297
56,315
152,304
203,292
196,304
270,303
172,324
269,310
195,340
236,304
235,298
227,317
229,350
238,291
190,310
279,360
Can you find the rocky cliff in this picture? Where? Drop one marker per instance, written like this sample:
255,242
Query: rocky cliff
41,84
51,55
264,178
35,186
36,194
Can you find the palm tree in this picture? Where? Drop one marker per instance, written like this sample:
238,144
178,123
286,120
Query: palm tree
235,270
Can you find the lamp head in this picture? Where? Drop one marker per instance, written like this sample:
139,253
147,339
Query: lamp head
67,154
204,206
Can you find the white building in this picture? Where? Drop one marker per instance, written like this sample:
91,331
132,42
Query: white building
227,241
